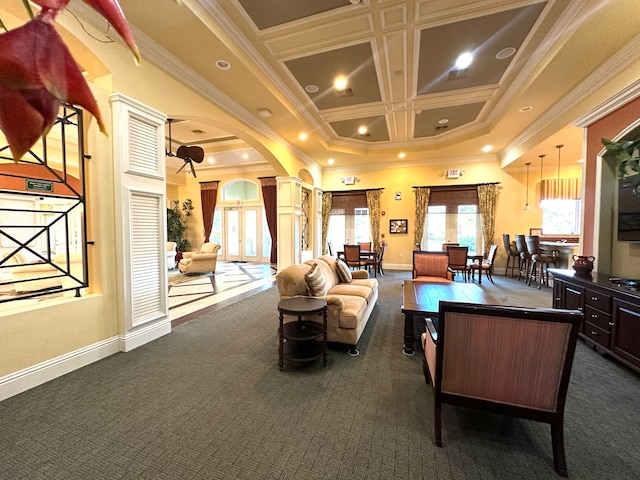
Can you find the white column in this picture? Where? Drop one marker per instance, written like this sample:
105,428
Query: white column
289,213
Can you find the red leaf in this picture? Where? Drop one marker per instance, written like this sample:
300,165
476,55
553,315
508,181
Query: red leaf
110,9
25,118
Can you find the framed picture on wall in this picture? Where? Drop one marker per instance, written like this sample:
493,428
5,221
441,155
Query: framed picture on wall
398,226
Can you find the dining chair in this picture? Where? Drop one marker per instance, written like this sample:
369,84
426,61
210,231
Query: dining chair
539,263
431,267
374,261
365,246
508,360
330,248
486,266
458,261
512,253
447,245
525,257
352,257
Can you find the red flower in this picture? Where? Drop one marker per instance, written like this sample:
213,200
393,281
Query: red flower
37,73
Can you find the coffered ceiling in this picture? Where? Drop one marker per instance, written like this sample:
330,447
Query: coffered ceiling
537,66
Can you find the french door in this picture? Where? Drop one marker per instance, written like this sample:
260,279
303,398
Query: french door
243,233
462,226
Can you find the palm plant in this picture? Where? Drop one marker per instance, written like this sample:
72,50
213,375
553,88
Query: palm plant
626,152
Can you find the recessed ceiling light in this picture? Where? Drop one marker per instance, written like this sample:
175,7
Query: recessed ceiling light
402,155
525,109
464,60
245,156
211,160
302,136
362,130
505,53
340,83
311,88
442,121
223,64
331,161
581,160
487,148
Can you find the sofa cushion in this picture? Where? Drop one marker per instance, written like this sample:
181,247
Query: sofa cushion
350,289
316,283
344,274
354,308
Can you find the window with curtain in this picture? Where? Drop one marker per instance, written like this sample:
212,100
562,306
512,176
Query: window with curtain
349,219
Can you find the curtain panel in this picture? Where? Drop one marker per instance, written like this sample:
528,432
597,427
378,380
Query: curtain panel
487,196
326,213
270,199
422,203
208,198
373,203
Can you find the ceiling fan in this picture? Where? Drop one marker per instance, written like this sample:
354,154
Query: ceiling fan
187,154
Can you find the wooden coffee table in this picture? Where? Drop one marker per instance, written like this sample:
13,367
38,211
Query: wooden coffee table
422,299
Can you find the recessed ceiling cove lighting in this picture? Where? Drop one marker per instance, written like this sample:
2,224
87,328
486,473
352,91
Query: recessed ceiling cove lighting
487,148
525,109
464,60
340,83
223,64
311,88
442,121
505,53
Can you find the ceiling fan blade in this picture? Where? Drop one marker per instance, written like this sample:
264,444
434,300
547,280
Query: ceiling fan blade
183,165
193,169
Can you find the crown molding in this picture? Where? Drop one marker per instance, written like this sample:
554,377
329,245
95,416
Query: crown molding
605,108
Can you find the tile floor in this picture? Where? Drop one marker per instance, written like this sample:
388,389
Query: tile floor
201,291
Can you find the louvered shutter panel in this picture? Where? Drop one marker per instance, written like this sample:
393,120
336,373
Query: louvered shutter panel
142,142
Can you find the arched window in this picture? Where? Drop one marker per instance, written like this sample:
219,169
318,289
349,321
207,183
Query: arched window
240,190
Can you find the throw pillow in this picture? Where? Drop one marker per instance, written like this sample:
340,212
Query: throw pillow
316,283
344,274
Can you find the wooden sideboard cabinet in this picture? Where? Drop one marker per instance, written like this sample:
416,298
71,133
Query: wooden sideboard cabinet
611,313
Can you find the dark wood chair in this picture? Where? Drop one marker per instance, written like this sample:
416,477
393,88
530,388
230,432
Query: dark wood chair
512,253
352,257
525,257
374,262
539,261
508,360
458,262
365,246
445,246
486,266
330,248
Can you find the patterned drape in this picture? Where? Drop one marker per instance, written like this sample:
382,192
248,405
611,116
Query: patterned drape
270,198
487,195
208,198
422,202
326,213
373,204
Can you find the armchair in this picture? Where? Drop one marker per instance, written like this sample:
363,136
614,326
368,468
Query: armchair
202,261
431,266
508,360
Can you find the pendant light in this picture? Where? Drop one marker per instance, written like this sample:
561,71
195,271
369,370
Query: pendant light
559,147
541,181
526,205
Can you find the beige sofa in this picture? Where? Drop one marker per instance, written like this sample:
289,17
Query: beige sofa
349,304
200,262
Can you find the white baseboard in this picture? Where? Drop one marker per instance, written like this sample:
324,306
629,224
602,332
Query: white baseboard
28,378
145,334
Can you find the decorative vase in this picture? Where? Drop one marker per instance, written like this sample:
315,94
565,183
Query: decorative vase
583,265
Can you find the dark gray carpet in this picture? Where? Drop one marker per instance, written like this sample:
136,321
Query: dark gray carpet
208,402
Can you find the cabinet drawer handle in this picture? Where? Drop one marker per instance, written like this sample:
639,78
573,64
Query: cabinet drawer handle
558,299
594,333
594,315
611,324
595,299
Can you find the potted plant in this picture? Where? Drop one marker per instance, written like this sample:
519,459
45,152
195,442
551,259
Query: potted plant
626,152
176,226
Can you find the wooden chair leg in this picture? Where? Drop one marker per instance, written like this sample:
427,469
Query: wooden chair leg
557,442
437,423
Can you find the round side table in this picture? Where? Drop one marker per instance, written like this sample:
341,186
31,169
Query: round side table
302,340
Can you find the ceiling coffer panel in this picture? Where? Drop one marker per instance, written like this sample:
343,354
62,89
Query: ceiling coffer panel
354,62
266,14
484,37
376,126
441,120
